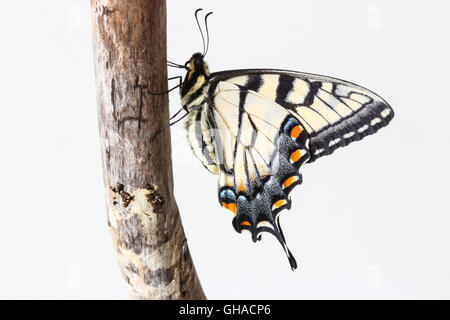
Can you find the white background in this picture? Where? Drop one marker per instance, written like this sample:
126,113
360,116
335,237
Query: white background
370,221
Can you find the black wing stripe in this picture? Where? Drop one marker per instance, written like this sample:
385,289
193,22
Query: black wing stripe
254,83
285,85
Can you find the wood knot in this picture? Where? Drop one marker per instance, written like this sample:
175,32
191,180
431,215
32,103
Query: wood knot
125,196
153,196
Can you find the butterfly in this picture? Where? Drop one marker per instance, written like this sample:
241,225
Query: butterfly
255,128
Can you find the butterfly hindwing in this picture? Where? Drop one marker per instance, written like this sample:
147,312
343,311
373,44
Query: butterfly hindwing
263,146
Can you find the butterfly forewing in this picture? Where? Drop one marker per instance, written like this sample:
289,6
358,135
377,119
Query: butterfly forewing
334,112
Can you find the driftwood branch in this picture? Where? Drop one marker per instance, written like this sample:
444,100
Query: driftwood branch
129,39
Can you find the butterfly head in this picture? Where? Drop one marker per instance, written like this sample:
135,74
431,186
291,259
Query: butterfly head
195,81
196,65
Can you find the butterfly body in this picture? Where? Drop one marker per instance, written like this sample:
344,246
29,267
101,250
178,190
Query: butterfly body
255,128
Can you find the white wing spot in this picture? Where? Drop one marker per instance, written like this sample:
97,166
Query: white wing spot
319,151
360,98
333,142
385,113
342,90
363,128
264,224
327,86
269,86
348,135
300,89
375,121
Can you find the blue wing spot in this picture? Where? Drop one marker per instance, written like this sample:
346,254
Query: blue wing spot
290,123
227,195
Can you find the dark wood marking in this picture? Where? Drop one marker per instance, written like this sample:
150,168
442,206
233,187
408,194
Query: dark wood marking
155,199
107,150
107,11
125,196
119,187
115,113
129,234
125,119
132,268
159,277
185,267
142,93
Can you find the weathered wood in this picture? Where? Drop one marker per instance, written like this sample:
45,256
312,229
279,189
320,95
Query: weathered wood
129,39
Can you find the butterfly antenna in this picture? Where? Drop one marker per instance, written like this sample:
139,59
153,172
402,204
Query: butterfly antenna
207,32
201,32
169,125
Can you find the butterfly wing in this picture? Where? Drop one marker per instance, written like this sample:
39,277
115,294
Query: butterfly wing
259,148
260,126
334,112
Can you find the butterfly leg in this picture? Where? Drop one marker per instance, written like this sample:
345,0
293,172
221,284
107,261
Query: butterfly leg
171,89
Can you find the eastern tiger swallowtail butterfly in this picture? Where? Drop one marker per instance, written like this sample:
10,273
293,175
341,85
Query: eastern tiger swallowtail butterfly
255,128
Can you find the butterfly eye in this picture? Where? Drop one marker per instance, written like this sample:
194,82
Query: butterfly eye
198,61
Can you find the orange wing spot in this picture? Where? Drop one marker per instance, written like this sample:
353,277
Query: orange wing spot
245,223
295,132
295,156
279,203
288,182
241,187
230,206
263,170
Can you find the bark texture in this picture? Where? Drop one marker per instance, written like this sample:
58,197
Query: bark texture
129,39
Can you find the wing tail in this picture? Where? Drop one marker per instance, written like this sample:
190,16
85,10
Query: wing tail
258,207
